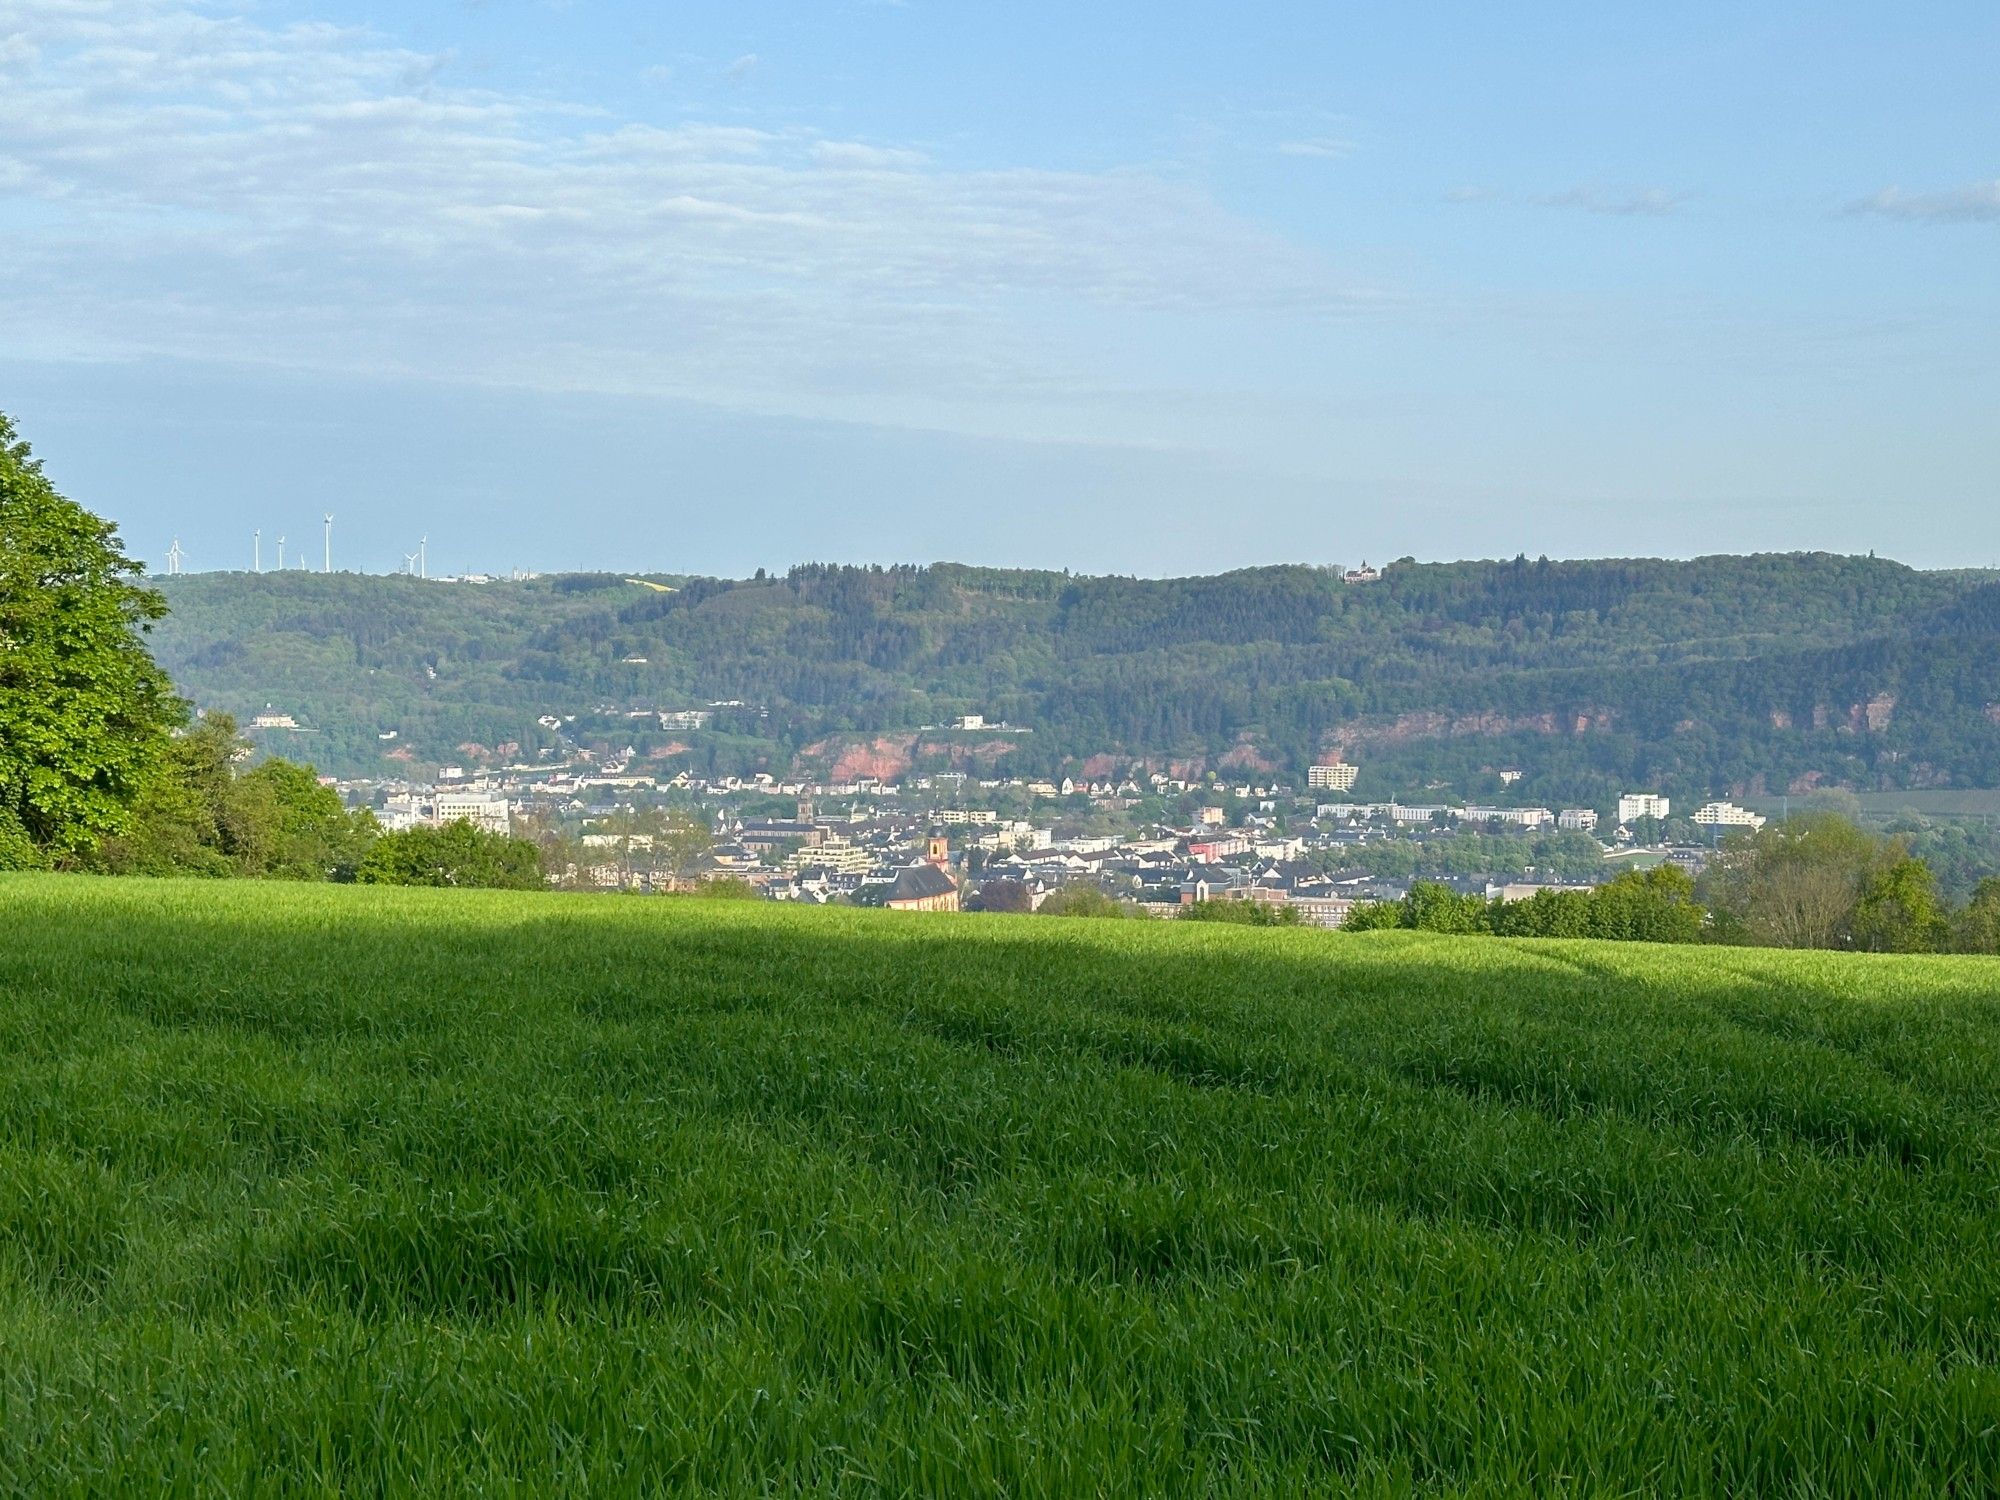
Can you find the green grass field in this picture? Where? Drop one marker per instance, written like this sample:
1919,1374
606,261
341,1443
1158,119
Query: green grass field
306,1189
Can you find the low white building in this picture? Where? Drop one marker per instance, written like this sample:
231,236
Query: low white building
1322,911
1577,819
1519,817
1398,813
1727,815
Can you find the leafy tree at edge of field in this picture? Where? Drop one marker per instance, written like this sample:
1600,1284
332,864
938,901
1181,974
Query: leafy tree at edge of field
1899,910
84,709
457,855
1639,906
1975,927
1799,883
196,815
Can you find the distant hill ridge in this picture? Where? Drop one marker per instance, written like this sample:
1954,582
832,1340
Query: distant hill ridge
1757,673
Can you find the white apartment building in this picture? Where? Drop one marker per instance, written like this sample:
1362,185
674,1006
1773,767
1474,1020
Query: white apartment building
1577,819
1636,805
402,810
480,809
1398,813
1339,776
964,815
836,854
1520,817
1727,815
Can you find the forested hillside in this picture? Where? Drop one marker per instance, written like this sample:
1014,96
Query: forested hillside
1739,674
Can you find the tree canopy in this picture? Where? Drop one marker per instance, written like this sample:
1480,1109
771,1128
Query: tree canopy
1638,906
84,709
196,815
457,854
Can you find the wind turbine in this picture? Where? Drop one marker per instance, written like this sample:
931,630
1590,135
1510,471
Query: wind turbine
174,556
328,534
423,558
410,563
257,550
281,554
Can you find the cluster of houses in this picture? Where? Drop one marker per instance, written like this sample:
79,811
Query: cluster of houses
915,861
943,858
924,844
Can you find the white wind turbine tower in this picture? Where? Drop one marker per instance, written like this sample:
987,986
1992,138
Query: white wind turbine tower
328,534
174,556
423,558
257,550
281,554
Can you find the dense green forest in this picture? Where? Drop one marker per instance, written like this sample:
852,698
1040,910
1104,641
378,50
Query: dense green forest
1724,674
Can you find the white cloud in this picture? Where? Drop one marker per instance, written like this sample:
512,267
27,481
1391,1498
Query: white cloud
1329,148
1977,202
1623,203
853,154
1652,202
190,183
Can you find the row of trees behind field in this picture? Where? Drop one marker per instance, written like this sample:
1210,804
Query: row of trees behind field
1815,881
197,813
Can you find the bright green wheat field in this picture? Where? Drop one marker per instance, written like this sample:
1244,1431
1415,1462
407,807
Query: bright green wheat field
310,1189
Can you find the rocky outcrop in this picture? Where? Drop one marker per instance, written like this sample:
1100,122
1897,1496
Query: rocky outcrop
1410,727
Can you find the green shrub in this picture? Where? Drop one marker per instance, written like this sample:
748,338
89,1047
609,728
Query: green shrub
1083,901
1975,927
1241,913
457,854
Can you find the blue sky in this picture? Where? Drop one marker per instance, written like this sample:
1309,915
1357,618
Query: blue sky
1138,288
